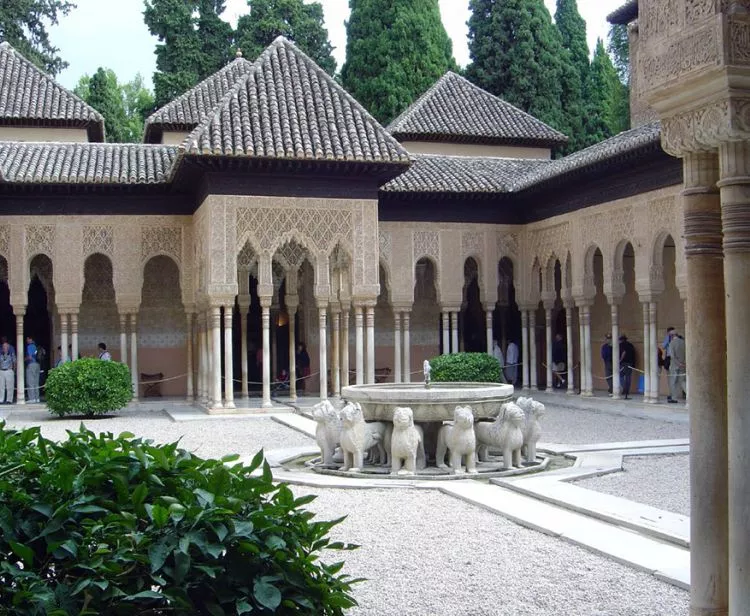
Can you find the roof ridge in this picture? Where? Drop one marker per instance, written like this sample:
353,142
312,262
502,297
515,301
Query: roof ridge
411,109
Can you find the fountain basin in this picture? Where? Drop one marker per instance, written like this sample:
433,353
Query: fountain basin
429,404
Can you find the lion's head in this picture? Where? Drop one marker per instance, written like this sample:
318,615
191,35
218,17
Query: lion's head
352,414
463,417
324,411
403,417
513,413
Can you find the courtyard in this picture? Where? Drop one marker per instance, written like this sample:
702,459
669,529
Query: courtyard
425,551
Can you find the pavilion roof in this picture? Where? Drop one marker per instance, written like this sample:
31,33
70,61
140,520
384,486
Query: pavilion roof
455,110
625,14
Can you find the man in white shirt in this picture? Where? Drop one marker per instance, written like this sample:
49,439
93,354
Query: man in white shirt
511,368
104,353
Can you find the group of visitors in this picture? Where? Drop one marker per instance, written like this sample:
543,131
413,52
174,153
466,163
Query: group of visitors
508,362
627,363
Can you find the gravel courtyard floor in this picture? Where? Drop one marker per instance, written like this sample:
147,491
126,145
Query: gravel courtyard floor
425,553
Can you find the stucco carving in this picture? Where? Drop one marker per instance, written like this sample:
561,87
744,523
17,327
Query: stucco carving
40,239
4,240
426,244
548,241
98,238
472,244
161,241
507,244
384,242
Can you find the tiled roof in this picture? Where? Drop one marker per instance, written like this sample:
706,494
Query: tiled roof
625,14
85,163
288,108
454,109
615,147
30,97
192,107
432,173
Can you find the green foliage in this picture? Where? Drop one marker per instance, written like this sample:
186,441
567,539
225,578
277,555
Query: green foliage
105,525
467,368
618,47
298,21
88,387
24,23
395,50
604,94
517,53
572,28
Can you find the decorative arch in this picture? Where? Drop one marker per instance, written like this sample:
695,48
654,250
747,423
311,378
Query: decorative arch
98,318
435,271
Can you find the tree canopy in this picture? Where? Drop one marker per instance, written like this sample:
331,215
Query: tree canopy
23,24
395,50
604,93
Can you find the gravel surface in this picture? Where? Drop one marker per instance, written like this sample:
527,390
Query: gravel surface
211,438
565,425
659,481
425,553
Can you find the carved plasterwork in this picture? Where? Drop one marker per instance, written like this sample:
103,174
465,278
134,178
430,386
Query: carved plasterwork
247,260
548,241
5,240
472,244
426,244
507,245
40,239
161,241
291,255
384,243
99,238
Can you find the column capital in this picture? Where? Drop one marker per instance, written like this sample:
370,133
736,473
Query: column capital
401,307
614,300
321,303
265,301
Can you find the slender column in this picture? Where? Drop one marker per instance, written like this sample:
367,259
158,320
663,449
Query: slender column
64,335
446,333
345,344
216,401
323,344
525,349
20,354
228,359
123,337
647,357
569,377
209,359
407,349
274,343
615,351
133,349
654,352
587,349
265,304
532,349
244,308
548,331
359,332
488,329
734,159
201,357
370,323
581,352
291,308
454,332
396,346
335,351
74,336
190,339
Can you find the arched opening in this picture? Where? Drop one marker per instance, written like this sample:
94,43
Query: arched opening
384,326
670,311
162,324
630,318
601,322
40,306
98,320
472,314
506,318
7,318
425,317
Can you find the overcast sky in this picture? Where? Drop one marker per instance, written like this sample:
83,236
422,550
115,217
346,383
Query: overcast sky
111,33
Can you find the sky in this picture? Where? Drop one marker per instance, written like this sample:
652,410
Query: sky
111,33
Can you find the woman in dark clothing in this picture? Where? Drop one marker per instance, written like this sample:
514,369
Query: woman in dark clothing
303,366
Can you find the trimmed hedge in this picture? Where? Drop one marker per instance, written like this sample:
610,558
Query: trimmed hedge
466,367
88,387
119,526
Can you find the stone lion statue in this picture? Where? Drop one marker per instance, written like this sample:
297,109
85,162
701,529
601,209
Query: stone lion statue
407,443
505,433
532,430
357,437
380,452
328,430
460,439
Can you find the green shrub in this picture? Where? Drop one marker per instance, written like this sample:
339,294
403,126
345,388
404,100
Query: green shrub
466,367
88,387
119,526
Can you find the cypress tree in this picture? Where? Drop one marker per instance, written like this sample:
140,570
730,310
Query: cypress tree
603,89
300,22
215,36
104,95
575,64
395,50
517,54
618,47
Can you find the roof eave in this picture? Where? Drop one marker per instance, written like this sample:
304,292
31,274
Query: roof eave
627,13
480,139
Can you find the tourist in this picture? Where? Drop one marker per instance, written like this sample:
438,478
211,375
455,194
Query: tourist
4,340
31,362
7,373
627,362
677,367
607,359
511,363
303,365
665,347
497,353
558,362
104,354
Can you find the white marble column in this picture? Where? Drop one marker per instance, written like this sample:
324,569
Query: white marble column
370,323
335,350
265,304
615,350
345,307
532,350
396,346
454,332
647,357
135,375
20,354
228,358
291,307
446,319
74,335
587,349
202,352
488,328
406,367
244,306
123,337
64,352
654,351
323,348
570,340
359,347
548,350
581,352
216,398
524,349
190,339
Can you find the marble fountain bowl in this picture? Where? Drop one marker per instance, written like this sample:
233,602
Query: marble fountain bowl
433,403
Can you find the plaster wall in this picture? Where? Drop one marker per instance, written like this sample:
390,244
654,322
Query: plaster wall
43,134
472,149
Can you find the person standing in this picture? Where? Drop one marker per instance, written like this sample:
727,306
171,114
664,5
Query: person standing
677,367
497,353
511,365
7,373
31,362
607,359
627,362
104,354
303,365
559,355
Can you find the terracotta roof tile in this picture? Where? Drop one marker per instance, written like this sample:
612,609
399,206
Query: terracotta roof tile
625,14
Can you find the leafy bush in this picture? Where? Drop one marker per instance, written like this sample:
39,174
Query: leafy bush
88,387
119,526
466,367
